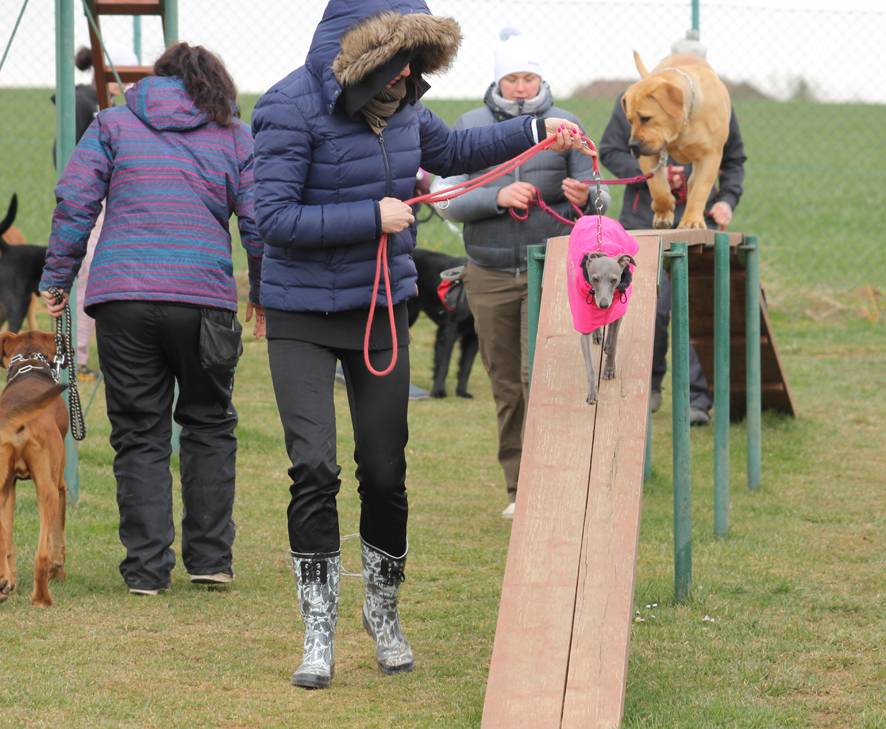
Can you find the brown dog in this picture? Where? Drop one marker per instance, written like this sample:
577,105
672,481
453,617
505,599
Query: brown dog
683,108
33,425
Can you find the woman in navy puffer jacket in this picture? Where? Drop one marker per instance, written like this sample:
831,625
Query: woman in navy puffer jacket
338,143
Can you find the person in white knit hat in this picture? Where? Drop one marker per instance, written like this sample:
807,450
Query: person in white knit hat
496,242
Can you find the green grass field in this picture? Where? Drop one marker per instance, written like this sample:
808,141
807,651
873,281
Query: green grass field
784,627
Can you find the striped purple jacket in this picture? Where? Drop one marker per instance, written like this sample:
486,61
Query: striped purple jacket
172,179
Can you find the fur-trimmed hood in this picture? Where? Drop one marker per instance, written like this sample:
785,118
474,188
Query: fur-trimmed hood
356,38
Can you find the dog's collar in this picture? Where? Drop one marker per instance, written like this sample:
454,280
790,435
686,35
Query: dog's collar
43,365
691,90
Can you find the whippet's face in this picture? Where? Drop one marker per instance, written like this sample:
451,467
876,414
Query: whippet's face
604,274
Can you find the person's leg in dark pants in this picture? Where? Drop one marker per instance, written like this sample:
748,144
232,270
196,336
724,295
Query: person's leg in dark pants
379,415
208,450
307,412
139,388
143,347
699,390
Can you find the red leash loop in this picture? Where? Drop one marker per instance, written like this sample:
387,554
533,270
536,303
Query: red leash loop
381,261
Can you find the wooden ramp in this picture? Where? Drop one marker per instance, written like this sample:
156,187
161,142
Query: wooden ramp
561,645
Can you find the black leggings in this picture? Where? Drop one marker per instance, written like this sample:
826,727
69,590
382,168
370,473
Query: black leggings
304,378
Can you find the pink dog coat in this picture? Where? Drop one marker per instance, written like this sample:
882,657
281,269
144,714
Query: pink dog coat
588,316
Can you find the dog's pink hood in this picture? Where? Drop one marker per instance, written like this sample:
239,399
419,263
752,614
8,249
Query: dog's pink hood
588,316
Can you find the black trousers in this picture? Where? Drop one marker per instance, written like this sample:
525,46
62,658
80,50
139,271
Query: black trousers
144,348
699,390
304,378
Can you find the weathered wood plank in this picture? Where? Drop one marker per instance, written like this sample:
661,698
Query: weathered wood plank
527,676
598,662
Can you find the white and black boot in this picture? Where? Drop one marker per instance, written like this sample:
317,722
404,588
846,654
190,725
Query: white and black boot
382,575
318,577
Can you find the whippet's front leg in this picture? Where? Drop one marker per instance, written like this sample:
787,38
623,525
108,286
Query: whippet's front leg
587,350
609,348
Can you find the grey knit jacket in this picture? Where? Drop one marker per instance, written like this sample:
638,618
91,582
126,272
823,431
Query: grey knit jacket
492,237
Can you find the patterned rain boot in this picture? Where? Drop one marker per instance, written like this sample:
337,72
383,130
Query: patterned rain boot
318,578
382,575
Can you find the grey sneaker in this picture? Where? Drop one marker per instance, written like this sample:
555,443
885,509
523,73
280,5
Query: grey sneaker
225,577
508,513
699,416
416,393
655,401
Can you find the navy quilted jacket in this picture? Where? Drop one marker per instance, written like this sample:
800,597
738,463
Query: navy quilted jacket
319,173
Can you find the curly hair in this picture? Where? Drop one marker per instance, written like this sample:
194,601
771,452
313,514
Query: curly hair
205,77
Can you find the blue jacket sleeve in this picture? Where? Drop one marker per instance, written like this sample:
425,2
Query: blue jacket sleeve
447,152
245,212
79,195
283,156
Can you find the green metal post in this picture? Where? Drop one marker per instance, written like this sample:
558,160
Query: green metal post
647,466
680,386
535,269
170,24
695,14
64,143
721,384
752,317
137,36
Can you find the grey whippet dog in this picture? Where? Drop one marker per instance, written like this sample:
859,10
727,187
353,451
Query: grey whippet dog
608,278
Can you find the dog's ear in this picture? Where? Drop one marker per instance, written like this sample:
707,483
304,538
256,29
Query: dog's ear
624,259
641,67
670,96
7,342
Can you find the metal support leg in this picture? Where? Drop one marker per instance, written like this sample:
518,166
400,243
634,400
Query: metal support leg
64,144
752,317
680,386
721,385
535,268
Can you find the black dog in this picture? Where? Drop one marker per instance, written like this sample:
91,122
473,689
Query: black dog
451,325
21,268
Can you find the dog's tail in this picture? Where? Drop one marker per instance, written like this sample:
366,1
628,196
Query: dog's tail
7,222
20,415
641,67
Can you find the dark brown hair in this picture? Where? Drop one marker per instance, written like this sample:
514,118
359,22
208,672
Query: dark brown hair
206,79
83,59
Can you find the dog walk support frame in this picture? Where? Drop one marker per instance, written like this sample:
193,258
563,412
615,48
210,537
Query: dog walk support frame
65,142
731,253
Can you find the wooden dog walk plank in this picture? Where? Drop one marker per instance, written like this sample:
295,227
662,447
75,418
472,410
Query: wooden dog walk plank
560,652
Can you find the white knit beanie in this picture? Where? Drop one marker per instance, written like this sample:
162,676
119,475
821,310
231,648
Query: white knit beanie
689,45
516,53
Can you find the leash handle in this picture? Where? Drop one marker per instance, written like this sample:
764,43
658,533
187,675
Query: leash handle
64,351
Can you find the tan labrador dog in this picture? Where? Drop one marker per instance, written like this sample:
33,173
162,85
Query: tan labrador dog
681,107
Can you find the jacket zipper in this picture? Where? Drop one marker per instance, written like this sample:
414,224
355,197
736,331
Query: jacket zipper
384,154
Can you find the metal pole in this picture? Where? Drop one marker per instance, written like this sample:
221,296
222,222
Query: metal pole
721,384
647,468
64,144
752,317
695,15
535,268
680,385
170,22
137,37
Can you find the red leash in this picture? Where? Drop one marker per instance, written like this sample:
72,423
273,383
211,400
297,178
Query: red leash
381,261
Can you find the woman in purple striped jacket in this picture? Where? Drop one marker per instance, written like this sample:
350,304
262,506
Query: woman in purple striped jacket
174,164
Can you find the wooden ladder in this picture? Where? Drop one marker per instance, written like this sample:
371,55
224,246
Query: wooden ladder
104,75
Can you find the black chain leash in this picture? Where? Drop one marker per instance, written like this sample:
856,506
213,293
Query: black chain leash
64,350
